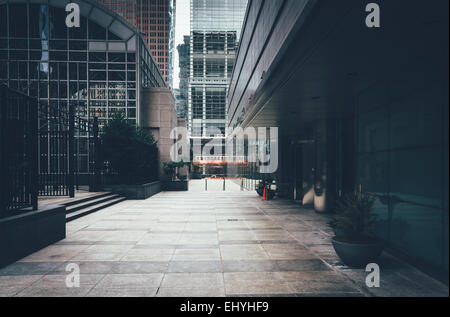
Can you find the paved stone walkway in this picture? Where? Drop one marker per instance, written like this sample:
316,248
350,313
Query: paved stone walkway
204,244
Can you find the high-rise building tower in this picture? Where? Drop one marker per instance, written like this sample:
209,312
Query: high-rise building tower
215,32
184,63
156,20
172,48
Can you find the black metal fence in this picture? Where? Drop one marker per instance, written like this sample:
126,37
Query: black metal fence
42,146
19,150
65,140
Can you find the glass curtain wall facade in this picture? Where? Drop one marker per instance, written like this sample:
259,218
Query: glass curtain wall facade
125,8
215,32
184,62
171,53
98,69
402,157
155,20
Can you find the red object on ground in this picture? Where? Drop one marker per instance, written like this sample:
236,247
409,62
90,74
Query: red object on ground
265,194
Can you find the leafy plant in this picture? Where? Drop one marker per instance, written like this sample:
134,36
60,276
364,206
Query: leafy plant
170,169
196,168
132,152
353,216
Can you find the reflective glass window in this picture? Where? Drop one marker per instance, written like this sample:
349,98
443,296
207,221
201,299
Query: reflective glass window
96,32
18,25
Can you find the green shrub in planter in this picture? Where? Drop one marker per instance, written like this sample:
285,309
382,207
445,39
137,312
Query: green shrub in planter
170,169
353,216
132,152
352,225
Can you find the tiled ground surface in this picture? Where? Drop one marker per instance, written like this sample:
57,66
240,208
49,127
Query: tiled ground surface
204,244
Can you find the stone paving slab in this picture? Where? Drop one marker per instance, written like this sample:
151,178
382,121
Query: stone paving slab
197,244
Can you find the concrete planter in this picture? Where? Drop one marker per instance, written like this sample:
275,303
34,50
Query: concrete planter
358,255
196,176
24,234
135,192
176,186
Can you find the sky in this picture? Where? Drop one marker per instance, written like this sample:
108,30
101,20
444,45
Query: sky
182,28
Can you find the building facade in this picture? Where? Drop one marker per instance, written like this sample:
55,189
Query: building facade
128,9
182,96
215,32
155,19
98,69
352,115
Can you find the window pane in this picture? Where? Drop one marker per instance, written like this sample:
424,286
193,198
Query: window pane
58,44
63,89
58,56
3,69
78,56
43,90
73,70
116,57
96,32
3,21
18,26
62,70
116,76
78,45
18,55
117,66
131,57
18,44
81,32
58,22
97,75
97,57
82,71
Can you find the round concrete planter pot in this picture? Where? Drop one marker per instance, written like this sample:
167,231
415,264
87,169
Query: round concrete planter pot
358,255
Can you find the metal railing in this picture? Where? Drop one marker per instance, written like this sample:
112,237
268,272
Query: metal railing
61,137
18,151
40,151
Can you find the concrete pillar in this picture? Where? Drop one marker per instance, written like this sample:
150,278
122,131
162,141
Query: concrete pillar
158,116
325,162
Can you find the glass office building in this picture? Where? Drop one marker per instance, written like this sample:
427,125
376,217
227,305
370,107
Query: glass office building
156,21
98,68
184,64
215,32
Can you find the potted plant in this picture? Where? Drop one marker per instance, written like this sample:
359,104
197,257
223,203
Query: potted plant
196,172
174,183
352,224
130,151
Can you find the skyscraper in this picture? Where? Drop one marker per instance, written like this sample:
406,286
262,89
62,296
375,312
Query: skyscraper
184,63
155,19
125,8
215,33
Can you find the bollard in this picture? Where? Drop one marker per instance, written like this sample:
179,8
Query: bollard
224,184
206,185
242,184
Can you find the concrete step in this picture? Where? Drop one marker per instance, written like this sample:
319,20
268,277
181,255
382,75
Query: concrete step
85,203
86,211
76,201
